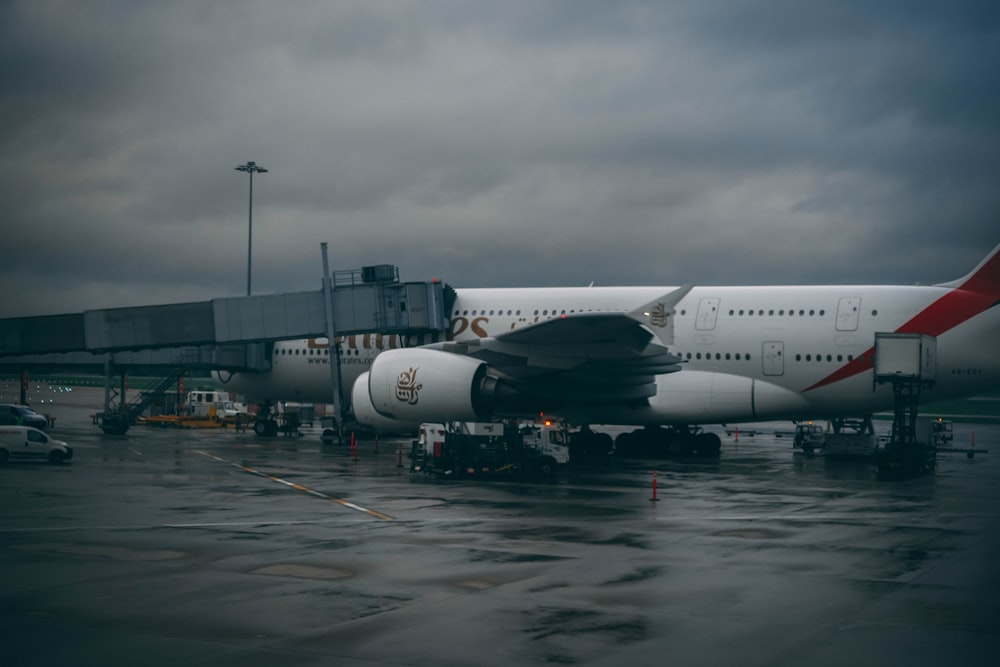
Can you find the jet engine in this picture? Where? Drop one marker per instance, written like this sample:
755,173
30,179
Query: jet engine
365,414
419,385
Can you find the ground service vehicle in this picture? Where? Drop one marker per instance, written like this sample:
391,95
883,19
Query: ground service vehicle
942,434
26,442
490,448
809,437
21,415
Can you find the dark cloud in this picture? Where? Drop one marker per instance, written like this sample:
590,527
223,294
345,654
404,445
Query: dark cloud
516,143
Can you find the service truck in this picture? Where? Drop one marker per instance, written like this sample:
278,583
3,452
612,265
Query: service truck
471,449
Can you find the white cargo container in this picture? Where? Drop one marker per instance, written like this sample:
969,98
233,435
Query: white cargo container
905,355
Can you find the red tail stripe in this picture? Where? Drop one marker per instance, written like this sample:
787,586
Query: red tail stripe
946,313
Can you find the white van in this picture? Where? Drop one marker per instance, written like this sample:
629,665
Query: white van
26,442
200,403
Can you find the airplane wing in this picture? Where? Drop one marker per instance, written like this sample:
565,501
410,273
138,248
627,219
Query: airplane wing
584,356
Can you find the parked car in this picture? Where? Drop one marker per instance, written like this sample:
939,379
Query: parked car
27,442
21,415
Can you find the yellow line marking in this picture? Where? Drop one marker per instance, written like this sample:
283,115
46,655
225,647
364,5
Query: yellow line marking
299,487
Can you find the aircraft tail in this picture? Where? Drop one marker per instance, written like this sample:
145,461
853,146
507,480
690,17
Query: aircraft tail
984,279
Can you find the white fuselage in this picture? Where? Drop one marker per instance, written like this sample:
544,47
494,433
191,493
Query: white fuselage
749,353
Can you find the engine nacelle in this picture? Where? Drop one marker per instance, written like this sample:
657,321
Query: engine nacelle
417,385
365,413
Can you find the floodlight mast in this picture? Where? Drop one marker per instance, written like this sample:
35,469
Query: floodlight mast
251,168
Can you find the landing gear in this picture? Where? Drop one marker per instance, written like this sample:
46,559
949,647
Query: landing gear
587,444
674,441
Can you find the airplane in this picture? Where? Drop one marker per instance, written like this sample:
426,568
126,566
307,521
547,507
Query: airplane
655,357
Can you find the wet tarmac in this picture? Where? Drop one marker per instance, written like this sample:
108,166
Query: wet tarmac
168,547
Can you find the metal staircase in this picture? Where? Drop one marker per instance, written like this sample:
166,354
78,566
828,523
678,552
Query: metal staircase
116,419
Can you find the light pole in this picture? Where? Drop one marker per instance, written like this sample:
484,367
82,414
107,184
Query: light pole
250,167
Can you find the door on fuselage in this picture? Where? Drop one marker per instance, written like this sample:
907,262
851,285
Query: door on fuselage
708,312
848,310
773,357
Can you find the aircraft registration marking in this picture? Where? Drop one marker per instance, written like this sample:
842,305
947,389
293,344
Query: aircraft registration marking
299,487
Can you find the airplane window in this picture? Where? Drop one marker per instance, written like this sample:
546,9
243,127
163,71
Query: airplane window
809,357
822,313
727,356
518,312
781,312
874,313
850,357
536,312
760,312
811,313
798,357
749,312
737,356
731,311
718,356
770,312
491,312
741,312
829,357
840,357
698,356
748,357
684,312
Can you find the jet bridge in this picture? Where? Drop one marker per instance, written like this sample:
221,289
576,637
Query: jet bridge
227,333
406,309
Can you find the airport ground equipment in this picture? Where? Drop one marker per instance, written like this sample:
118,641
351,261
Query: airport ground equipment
809,437
119,413
485,449
908,362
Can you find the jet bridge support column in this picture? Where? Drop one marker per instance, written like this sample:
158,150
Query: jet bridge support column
333,348
115,419
908,362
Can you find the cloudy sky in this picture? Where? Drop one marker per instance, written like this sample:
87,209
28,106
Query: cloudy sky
511,143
